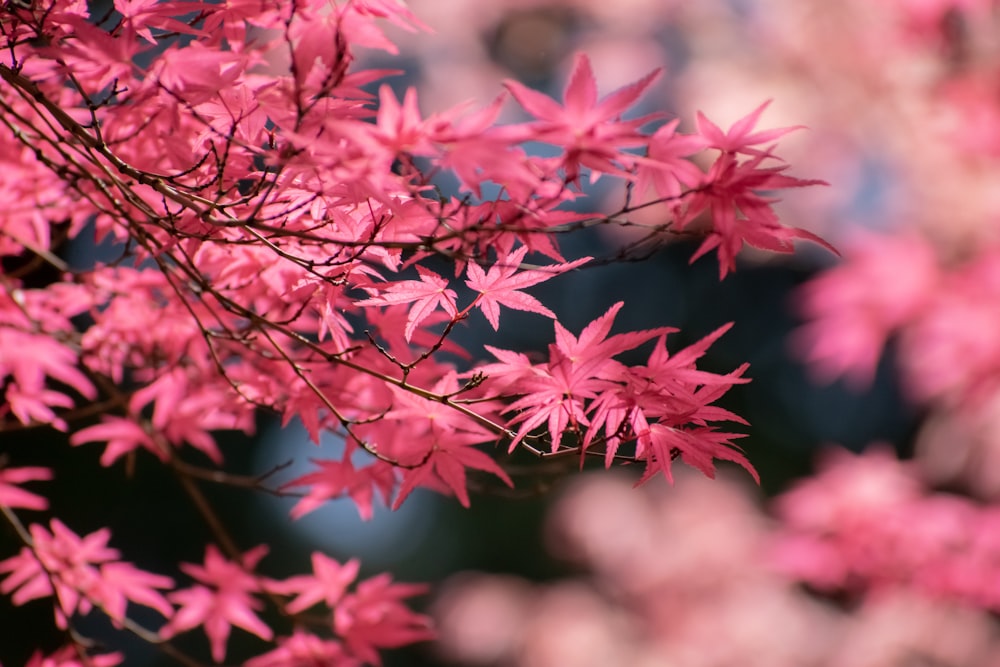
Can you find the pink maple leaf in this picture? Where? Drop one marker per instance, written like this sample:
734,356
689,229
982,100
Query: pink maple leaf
373,617
425,295
667,167
68,557
12,495
503,282
554,396
26,361
197,73
121,435
741,212
139,16
740,136
81,573
593,350
669,390
579,368
96,57
303,649
186,409
446,463
439,451
121,582
390,323
223,601
327,584
336,478
477,151
698,447
70,656
886,283
399,126
592,132
679,367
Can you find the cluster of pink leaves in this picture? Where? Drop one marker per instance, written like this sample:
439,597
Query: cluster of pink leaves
581,390
267,210
82,573
68,657
328,217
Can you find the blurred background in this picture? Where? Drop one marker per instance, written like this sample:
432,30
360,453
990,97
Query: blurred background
900,103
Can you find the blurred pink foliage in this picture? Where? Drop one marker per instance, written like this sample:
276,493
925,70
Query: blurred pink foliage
701,575
912,87
867,526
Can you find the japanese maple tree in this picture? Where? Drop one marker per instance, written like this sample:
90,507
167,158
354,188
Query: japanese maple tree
282,246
